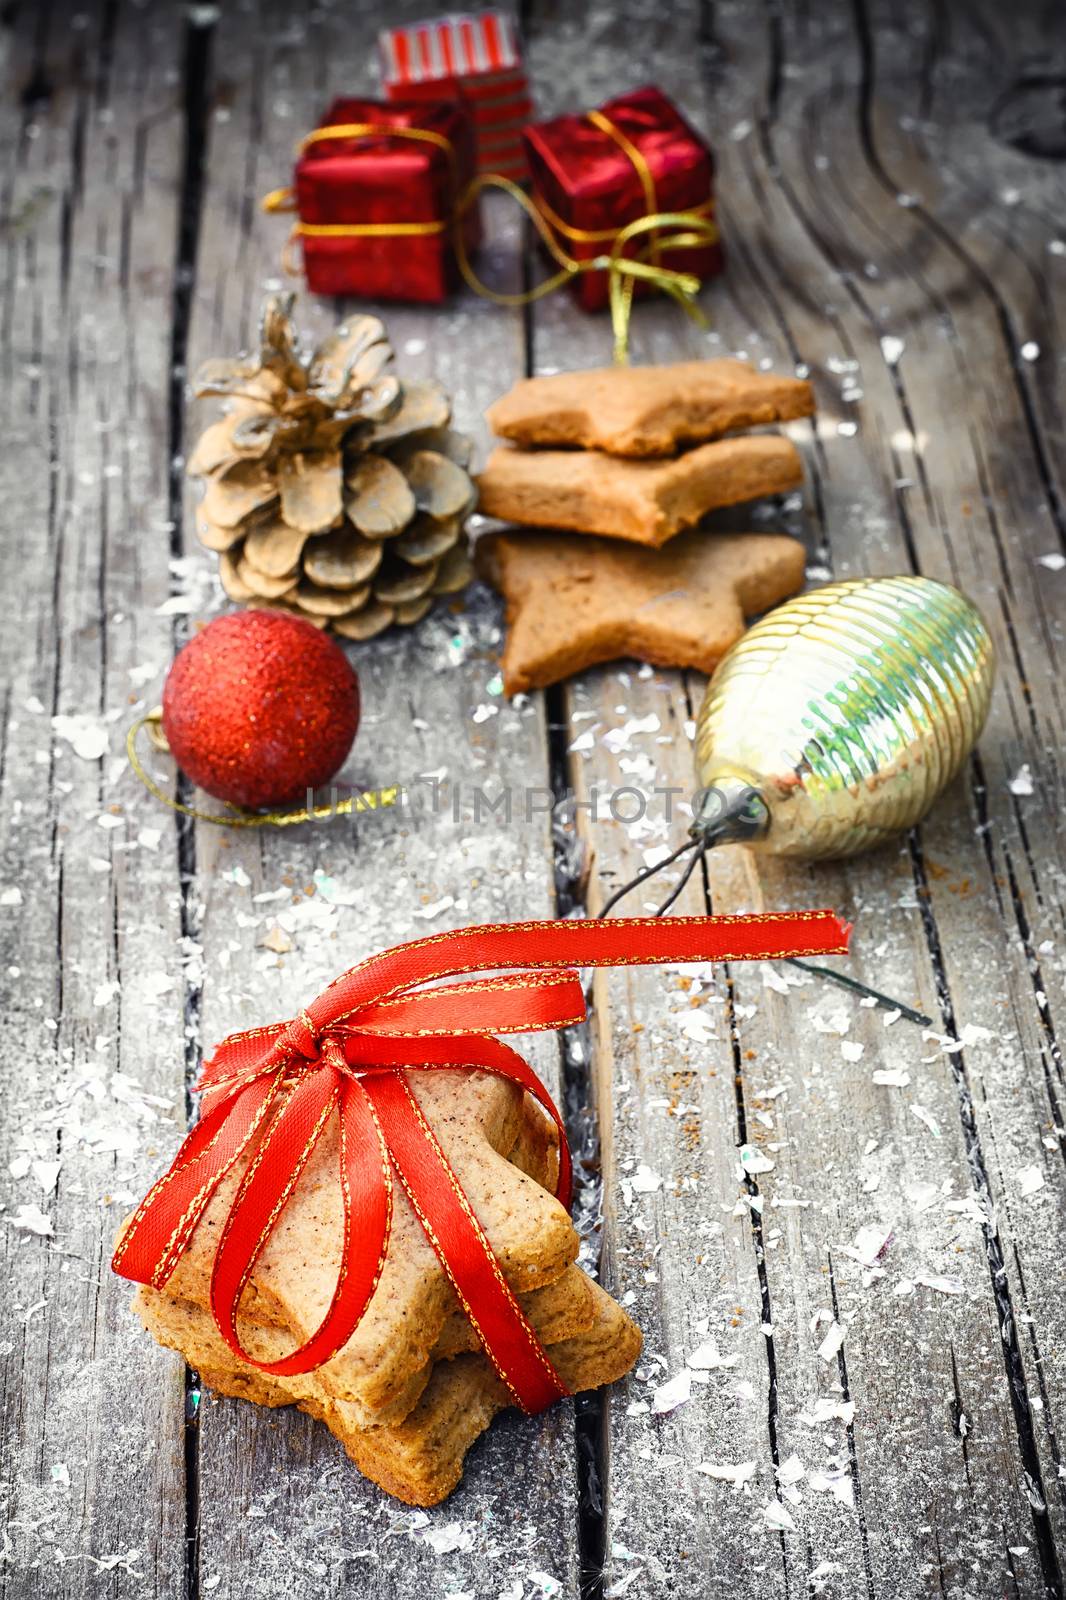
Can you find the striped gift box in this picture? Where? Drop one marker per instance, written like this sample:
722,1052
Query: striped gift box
473,57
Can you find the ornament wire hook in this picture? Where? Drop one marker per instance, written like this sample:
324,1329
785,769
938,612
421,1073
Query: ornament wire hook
643,876
847,982
699,847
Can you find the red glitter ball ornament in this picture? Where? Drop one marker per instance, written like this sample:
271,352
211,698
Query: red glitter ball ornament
259,708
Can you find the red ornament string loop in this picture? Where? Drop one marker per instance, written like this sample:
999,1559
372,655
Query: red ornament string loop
270,1093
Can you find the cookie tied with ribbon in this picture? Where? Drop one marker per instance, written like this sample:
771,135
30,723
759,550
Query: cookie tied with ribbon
355,1179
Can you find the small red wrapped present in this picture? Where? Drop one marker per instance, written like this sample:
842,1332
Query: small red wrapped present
597,171
376,187
475,59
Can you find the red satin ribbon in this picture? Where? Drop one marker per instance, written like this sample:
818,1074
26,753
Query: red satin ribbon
271,1092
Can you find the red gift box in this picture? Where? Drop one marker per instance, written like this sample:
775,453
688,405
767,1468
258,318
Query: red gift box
595,172
376,207
475,59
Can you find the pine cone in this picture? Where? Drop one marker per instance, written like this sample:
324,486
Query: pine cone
332,490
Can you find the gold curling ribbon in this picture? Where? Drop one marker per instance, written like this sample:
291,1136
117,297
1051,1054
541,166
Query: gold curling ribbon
623,272
695,229
369,800
637,161
559,224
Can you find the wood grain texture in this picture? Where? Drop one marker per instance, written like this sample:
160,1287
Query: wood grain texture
892,198
930,1506
92,1417
280,1508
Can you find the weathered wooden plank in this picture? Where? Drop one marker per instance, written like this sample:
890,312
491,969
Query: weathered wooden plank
92,958
841,116
963,934
431,707
678,1243
987,473
970,139
895,1517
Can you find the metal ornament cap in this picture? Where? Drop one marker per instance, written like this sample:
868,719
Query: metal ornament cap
837,720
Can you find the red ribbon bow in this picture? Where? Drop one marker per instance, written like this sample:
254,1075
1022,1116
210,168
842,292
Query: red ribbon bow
275,1089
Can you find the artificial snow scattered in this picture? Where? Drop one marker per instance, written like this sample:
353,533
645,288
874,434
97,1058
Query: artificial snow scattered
46,1173
837,1022
752,1161
666,1397
618,739
941,1283
837,1482
737,1475
927,1118
452,1536
340,894
707,1358
777,1518
772,979
832,1343
826,1409
870,1244
156,984
695,1025
87,735
821,1574
31,1219
436,908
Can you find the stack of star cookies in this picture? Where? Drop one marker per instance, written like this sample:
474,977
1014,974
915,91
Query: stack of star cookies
410,1391
630,460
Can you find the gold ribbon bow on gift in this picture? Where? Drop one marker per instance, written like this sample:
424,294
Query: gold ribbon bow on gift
659,231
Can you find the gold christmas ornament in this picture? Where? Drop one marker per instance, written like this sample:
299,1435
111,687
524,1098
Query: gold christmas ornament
332,489
840,717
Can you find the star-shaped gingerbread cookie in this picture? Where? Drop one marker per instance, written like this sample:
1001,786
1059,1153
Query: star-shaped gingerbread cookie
574,602
418,1458
648,502
647,411
477,1118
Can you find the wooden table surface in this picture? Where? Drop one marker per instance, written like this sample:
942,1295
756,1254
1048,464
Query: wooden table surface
893,209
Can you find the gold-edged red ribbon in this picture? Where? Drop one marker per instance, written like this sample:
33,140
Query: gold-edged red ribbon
270,1094
664,230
